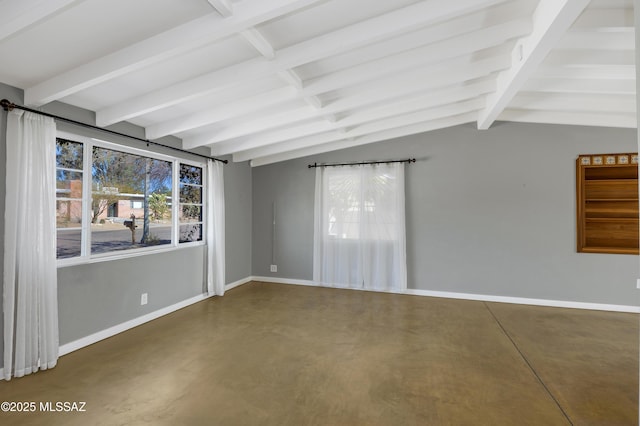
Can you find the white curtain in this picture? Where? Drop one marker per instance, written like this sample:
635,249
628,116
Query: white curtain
30,301
215,228
359,237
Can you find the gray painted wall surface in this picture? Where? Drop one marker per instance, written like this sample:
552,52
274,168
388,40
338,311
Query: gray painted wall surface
487,212
237,201
96,296
93,297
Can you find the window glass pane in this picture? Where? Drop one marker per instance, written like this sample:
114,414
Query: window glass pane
191,232
68,241
68,184
191,208
68,154
160,208
69,213
190,174
190,194
68,198
129,205
191,213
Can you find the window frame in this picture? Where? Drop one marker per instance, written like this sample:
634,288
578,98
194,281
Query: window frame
201,204
85,245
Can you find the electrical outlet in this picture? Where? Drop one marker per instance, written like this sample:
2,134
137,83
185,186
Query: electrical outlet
143,299
274,268
638,283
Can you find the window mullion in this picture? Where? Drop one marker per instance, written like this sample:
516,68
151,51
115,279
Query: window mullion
85,249
175,204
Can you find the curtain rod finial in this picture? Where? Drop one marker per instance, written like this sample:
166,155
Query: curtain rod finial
6,105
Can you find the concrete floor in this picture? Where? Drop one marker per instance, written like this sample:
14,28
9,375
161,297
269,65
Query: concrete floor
273,354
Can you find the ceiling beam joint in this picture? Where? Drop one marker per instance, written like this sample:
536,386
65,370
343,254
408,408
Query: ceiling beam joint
551,19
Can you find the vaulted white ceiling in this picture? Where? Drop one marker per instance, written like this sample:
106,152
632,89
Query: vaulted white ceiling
270,80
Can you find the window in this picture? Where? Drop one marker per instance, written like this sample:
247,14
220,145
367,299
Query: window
359,238
607,203
112,199
190,203
69,194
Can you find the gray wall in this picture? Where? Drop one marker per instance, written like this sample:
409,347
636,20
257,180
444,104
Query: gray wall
488,212
237,201
93,297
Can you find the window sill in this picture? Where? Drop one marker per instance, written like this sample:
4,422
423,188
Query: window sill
76,261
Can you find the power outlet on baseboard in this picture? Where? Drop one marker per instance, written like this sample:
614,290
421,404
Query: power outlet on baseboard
143,299
274,268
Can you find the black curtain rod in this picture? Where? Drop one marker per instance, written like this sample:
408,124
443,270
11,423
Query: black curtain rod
8,106
408,160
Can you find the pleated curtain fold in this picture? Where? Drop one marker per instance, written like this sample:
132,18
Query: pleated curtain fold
215,229
30,302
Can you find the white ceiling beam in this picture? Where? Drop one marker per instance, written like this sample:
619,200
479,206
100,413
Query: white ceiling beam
275,137
176,41
602,119
364,129
395,65
551,20
603,72
408,18
586,57
264,122
618,40
376,137
219,113
485,23
291,77
383,90
413,82
365,32
314,101
257,40
223,7
574,102
605,20
437,54
423,100
19,15
574,85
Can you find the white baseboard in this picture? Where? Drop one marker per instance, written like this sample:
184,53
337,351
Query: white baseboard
117,329
237,283
284,281
112,331
480,297
527,301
